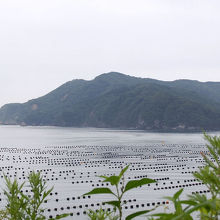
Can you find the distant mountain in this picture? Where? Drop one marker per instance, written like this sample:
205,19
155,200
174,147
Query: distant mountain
115,100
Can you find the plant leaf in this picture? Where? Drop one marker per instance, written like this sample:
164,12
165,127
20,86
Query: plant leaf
177,194
186,213
135,183
133,215
123,171
188,202
112,179
114,203
100,191
61,216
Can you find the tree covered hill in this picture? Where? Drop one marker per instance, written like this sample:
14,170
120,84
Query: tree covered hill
115,100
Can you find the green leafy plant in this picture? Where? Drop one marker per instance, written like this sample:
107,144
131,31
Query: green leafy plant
178,208
16,201
38,196
3,214
27,206
120,191
210,176
102,214
209,208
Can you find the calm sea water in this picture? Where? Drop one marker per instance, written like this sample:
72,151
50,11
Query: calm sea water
68,167
16,136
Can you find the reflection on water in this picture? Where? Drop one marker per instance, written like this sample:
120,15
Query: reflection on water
16,136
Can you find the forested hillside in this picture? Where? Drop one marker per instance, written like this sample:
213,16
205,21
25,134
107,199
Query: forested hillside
115,100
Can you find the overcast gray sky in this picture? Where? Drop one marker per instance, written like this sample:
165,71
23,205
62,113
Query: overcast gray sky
44,43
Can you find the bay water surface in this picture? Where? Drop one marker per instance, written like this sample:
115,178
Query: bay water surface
17,136
71,159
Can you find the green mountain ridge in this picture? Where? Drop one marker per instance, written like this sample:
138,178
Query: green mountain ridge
115,100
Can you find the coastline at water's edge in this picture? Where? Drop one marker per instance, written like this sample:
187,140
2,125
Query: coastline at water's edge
171,130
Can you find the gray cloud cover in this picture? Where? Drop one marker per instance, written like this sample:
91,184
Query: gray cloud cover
44,43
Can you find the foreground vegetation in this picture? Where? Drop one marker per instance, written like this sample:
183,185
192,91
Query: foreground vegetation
28,206
207,208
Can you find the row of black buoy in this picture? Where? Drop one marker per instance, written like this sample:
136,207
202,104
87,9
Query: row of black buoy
73,170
